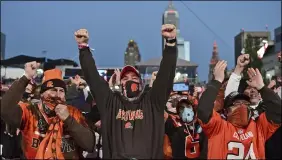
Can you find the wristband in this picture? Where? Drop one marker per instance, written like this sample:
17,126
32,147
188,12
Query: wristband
168,40
80,46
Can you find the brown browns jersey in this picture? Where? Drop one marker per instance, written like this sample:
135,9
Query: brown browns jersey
226,141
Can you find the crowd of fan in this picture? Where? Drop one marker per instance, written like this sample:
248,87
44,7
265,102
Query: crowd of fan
197,121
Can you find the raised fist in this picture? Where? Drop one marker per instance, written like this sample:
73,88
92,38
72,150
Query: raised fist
78,81
62,111
30,69
81,36
219,71
168,31
243,60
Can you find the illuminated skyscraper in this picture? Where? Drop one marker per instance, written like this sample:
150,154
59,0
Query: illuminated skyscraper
171,16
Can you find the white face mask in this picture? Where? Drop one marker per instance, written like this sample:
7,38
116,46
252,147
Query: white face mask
187,115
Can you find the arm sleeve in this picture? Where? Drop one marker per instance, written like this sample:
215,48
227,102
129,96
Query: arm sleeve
11,112
270,120
214,126
273,105
98,87
219,101
162,86
232,84
81,133
206,103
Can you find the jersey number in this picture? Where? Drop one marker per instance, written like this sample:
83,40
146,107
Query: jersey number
192,149
241,151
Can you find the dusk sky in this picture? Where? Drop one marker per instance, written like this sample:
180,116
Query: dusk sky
32,27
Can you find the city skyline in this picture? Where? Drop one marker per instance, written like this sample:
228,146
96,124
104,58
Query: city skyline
51,30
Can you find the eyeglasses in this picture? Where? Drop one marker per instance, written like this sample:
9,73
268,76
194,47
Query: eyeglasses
240,103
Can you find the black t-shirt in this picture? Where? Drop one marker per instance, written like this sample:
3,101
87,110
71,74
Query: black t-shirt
187,142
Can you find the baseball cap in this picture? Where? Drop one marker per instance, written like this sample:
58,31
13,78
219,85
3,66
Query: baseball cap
233,96
128,68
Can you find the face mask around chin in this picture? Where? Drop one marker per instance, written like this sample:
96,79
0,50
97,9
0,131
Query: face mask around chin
131,89
240,117
52,102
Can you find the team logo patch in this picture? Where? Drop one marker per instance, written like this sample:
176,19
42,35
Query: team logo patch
50,84
134,87
128,125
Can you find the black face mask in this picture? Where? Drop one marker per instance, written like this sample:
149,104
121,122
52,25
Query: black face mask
131,89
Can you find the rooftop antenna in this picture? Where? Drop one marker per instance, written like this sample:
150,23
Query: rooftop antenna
170,3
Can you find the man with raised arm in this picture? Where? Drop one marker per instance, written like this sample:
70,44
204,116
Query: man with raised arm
239,136
50,128
132,120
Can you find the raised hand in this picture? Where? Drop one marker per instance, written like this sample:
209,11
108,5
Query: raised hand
168,31
81,36
30,69
255,80
153,78
243,60
218,71
78,81
111,81
117,73
271,84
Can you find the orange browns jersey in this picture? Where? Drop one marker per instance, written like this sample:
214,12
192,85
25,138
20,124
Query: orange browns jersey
31,137
226,141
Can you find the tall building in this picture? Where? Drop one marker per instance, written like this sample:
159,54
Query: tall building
187,50
240,39
171,16
277,39
213,61
132,55
3,45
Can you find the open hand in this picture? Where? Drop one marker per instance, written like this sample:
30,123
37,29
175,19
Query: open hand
219,70
78,81
255,80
